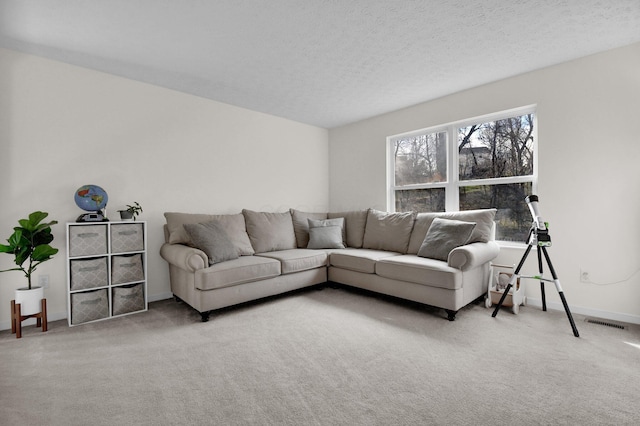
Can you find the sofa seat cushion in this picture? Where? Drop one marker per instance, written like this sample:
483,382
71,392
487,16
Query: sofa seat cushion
420,270
297,260
238,271
359,260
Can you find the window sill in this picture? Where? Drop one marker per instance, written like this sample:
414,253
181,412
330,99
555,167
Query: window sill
512,245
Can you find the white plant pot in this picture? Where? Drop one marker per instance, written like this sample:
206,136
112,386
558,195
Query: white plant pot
29,300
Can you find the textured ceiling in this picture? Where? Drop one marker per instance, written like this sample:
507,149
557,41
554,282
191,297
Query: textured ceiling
321,62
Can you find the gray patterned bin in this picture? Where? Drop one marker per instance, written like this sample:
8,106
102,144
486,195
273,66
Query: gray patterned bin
89,273
126,269
127,237
87,240
89,306
128,298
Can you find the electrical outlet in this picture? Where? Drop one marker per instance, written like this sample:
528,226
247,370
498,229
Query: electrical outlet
43,281
584,276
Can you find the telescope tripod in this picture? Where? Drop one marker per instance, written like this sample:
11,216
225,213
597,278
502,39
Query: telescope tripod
541,239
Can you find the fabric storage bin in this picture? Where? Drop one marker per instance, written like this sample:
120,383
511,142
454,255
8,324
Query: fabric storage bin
89,273
128,298
89,306
127,237
126,268
87,240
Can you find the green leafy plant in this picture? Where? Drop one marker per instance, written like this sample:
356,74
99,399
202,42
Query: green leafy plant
30,242
134,209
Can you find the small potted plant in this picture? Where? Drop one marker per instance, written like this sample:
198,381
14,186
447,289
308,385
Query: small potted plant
131,212
29,244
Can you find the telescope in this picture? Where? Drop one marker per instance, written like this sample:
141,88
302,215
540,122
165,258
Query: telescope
538,237
541,237
532,202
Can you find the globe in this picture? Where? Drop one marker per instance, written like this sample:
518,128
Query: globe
91,198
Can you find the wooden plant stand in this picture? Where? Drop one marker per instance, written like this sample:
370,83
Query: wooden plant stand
17,318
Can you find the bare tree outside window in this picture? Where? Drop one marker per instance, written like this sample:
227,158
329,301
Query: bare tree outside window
501,148
421,159
495,169
420,200
493,150
513,219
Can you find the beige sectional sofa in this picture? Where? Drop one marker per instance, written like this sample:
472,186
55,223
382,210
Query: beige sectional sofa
438,259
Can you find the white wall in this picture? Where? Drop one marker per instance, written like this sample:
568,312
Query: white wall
589,182
63,126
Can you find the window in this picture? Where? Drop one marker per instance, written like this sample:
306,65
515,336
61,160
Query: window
488,162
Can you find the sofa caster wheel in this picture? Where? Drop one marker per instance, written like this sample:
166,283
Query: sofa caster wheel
205,316
451,315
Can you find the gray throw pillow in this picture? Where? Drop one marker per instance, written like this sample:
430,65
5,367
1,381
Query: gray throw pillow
443,236
301,225
326,234
211,238
233,224
483,218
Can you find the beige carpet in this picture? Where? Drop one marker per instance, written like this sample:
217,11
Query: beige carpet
329,357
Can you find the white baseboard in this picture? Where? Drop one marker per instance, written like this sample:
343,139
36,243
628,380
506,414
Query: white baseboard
556,306
596,313
56,316
162,296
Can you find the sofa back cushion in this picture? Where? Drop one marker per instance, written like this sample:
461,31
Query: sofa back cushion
301,225
233,224
354,224
483,218
388,231
270,231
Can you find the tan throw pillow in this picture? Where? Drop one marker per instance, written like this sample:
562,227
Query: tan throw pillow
270,231
443,236
211,238
388,231
326,234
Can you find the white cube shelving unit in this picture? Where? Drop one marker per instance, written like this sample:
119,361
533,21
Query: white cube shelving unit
106,270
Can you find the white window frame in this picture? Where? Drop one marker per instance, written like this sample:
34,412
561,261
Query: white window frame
453,182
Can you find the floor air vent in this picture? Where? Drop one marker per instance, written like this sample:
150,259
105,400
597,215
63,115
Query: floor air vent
607,323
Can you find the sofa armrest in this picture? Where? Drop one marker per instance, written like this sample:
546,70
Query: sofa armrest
188,258
472,255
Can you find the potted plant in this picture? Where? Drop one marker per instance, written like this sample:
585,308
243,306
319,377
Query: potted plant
29,244
131,212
